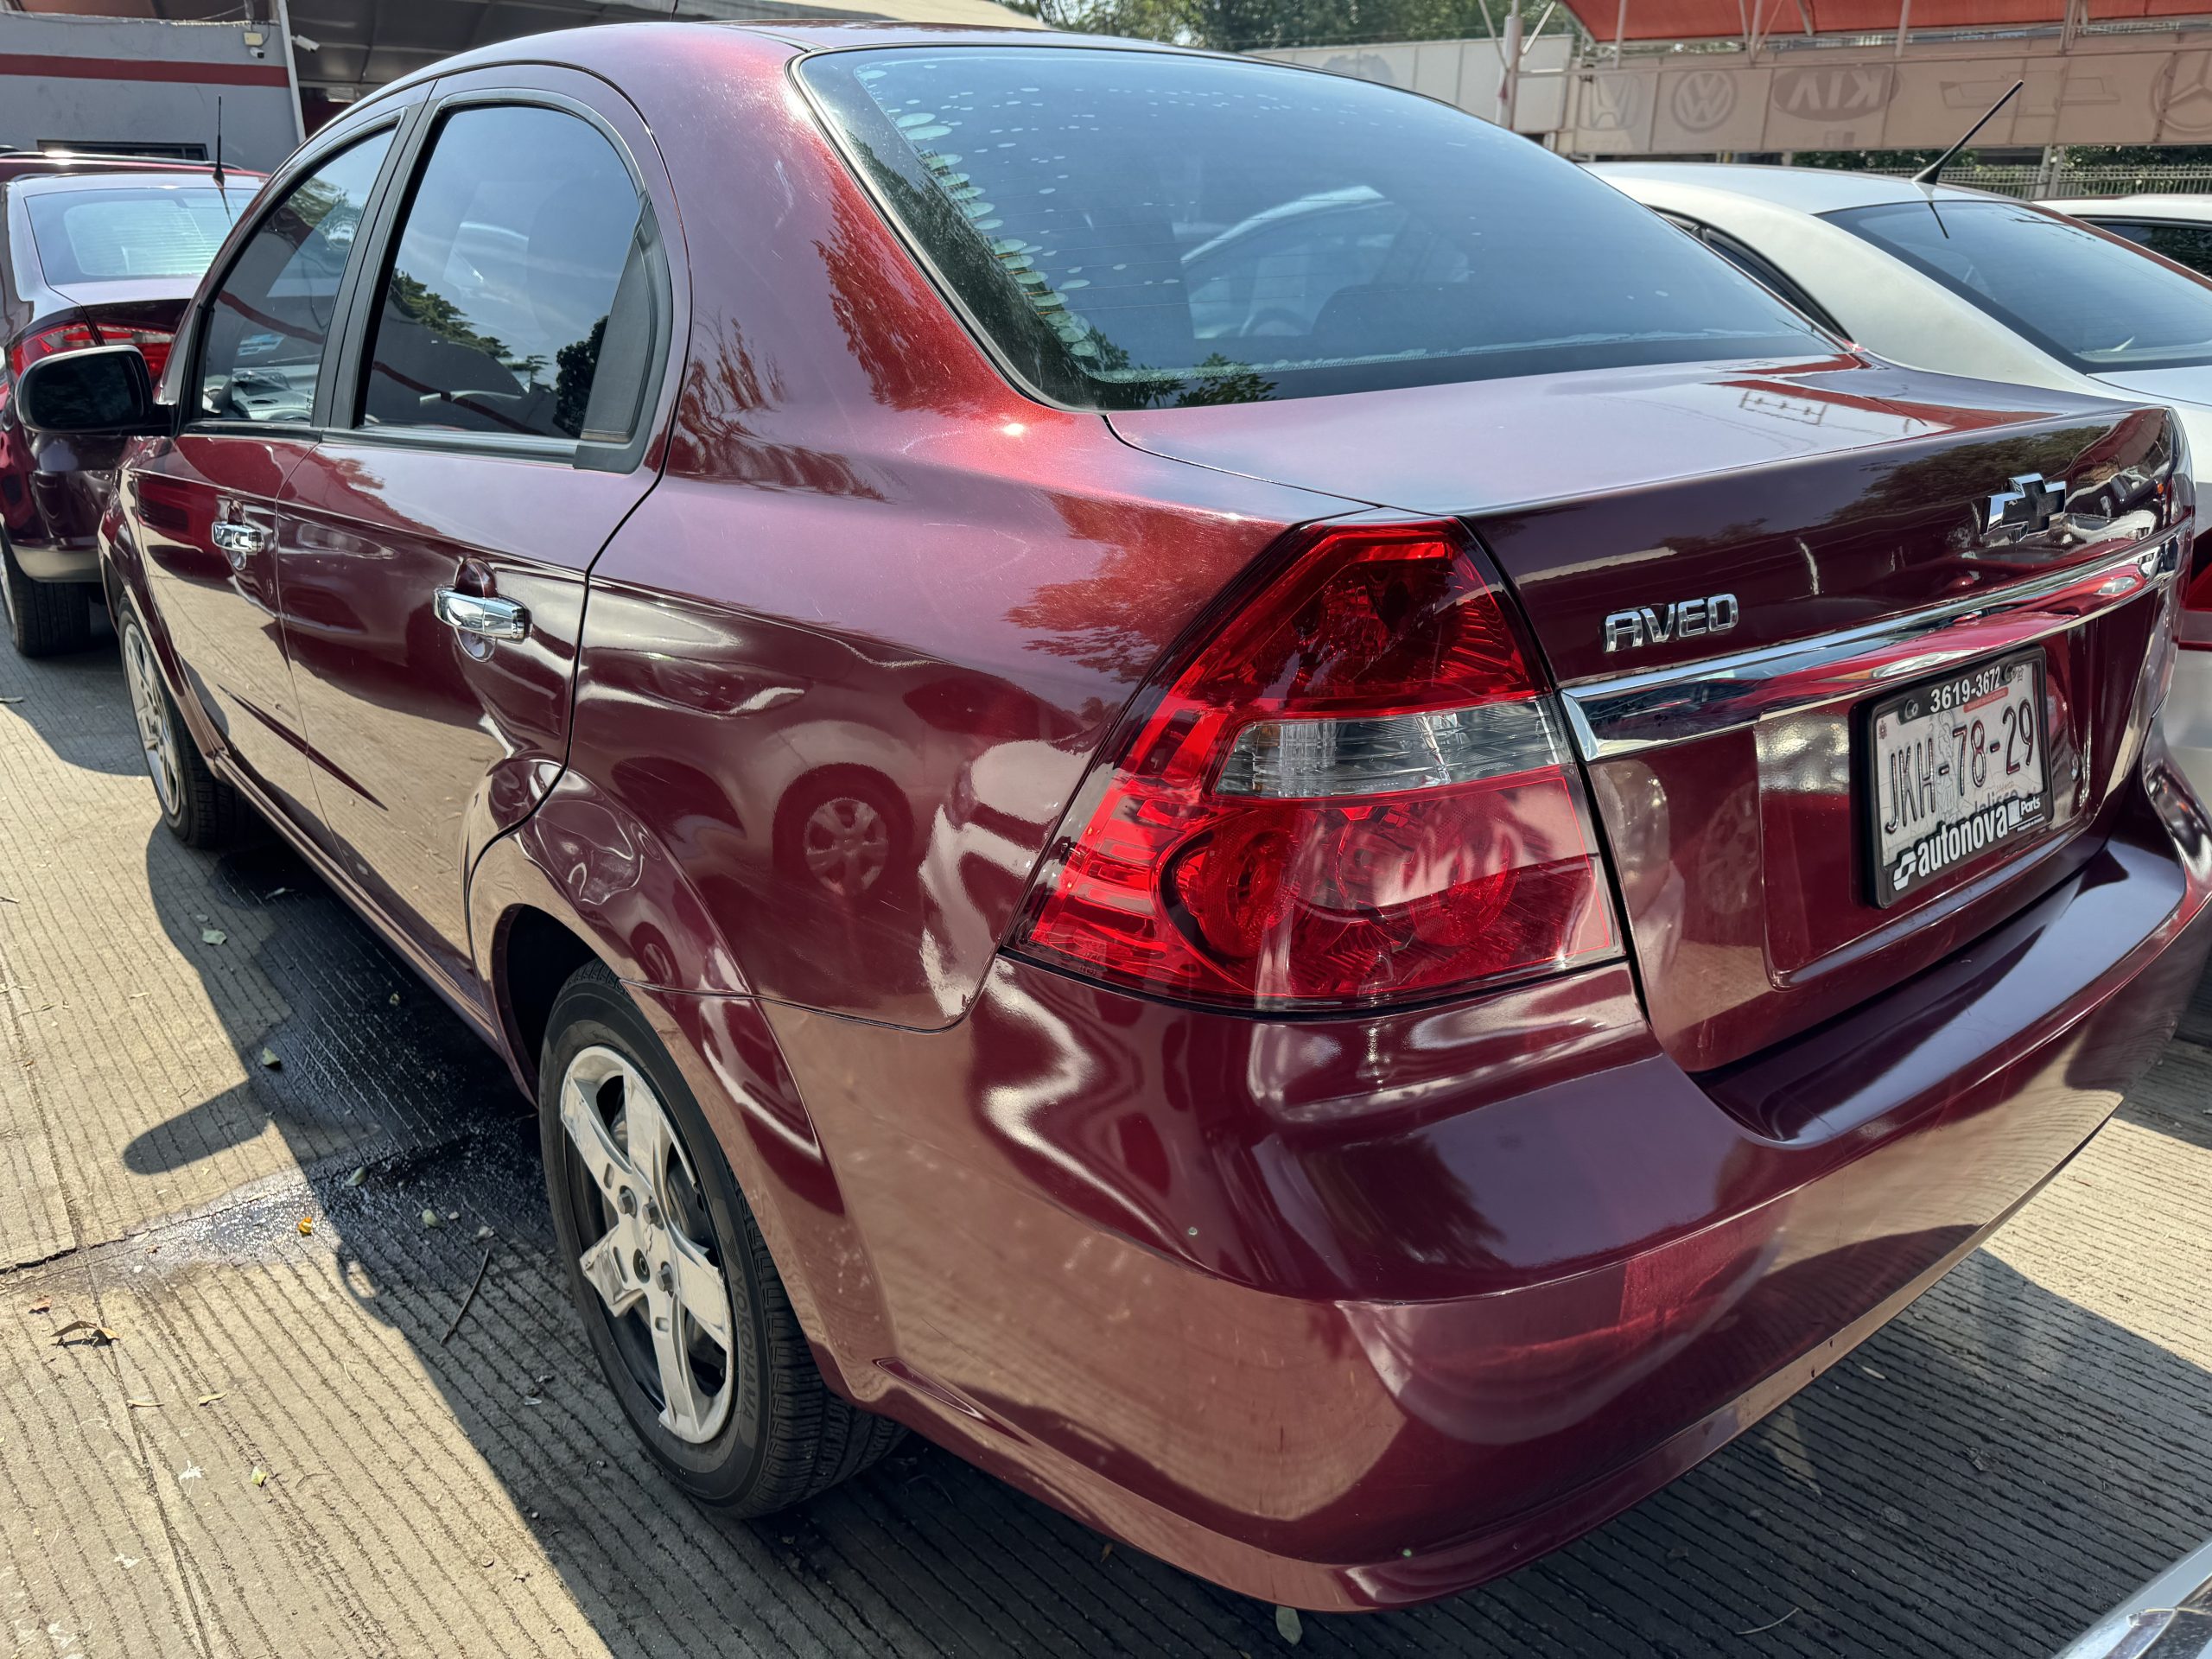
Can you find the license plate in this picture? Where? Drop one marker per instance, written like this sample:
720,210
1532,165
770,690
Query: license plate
1958,770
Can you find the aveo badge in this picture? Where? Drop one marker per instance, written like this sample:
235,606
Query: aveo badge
1683,619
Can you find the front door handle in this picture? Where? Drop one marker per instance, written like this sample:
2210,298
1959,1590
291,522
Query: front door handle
240,539
487,619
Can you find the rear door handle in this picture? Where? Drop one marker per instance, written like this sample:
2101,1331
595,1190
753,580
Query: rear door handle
238,539
487,619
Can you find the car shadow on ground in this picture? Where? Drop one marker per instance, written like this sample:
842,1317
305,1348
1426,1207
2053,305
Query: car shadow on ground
66,700
1984,1477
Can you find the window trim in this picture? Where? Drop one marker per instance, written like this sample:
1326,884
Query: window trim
1791,292
1782,285
350,375
280,189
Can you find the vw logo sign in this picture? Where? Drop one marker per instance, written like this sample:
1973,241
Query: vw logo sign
1703,99
1362,66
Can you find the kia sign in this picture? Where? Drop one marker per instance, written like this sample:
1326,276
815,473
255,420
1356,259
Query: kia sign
2103,90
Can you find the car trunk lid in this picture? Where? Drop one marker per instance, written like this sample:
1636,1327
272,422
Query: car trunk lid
1726,569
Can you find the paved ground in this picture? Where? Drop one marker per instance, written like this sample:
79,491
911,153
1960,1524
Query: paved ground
287,1451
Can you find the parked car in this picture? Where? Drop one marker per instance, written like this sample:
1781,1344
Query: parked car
2169,1618
93,252
1961,282
2176,227
1497,876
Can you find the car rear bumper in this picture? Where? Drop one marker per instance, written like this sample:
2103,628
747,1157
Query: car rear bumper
1354,1313
48,562
51,499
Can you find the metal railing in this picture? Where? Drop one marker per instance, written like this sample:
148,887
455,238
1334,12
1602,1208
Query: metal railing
2029,182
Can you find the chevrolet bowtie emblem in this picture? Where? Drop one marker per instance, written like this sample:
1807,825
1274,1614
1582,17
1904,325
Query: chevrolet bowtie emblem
2024,509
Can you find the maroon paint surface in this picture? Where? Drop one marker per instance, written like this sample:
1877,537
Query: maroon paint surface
1344,1312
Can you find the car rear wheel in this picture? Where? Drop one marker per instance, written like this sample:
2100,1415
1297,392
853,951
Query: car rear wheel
681,1302
841,829
200,808
45,618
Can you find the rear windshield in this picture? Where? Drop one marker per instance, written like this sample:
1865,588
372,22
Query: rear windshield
2092,302
1130,229
125,235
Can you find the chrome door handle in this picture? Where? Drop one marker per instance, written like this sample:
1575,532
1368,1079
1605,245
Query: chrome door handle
487,619
238,539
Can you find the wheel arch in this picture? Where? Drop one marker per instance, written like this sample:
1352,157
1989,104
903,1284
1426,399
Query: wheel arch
543,902
124,584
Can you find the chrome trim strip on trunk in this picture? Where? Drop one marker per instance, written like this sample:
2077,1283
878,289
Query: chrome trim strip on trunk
1623,713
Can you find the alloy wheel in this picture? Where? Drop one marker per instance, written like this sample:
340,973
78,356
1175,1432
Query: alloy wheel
653,1260
157,734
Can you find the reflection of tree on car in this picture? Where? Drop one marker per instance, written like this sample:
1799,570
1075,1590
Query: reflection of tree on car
274,351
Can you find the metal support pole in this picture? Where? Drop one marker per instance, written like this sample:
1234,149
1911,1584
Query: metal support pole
2048,169
1509,91
291,70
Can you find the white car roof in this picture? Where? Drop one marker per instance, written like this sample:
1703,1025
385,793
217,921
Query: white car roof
1807,189
2195,209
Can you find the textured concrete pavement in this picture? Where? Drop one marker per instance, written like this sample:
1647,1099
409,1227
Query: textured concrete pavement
283,1452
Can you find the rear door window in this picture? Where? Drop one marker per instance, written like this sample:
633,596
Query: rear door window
2185,244
516,303
1129,228
115,235
1764,271
2093,303
266,326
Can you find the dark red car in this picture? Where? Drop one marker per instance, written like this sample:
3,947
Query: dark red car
93,252
1442,852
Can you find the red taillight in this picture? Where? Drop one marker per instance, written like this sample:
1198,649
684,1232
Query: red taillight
153,344
52,341
1357,790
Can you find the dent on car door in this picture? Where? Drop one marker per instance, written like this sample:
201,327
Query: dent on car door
205,505
502,364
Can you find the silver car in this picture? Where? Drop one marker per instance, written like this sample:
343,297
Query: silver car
1957,281
2169,1618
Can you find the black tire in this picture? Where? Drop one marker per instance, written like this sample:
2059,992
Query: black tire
200,809
45,618
787,1437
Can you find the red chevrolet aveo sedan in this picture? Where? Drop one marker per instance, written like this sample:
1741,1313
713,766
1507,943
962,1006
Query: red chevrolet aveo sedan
1197,775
